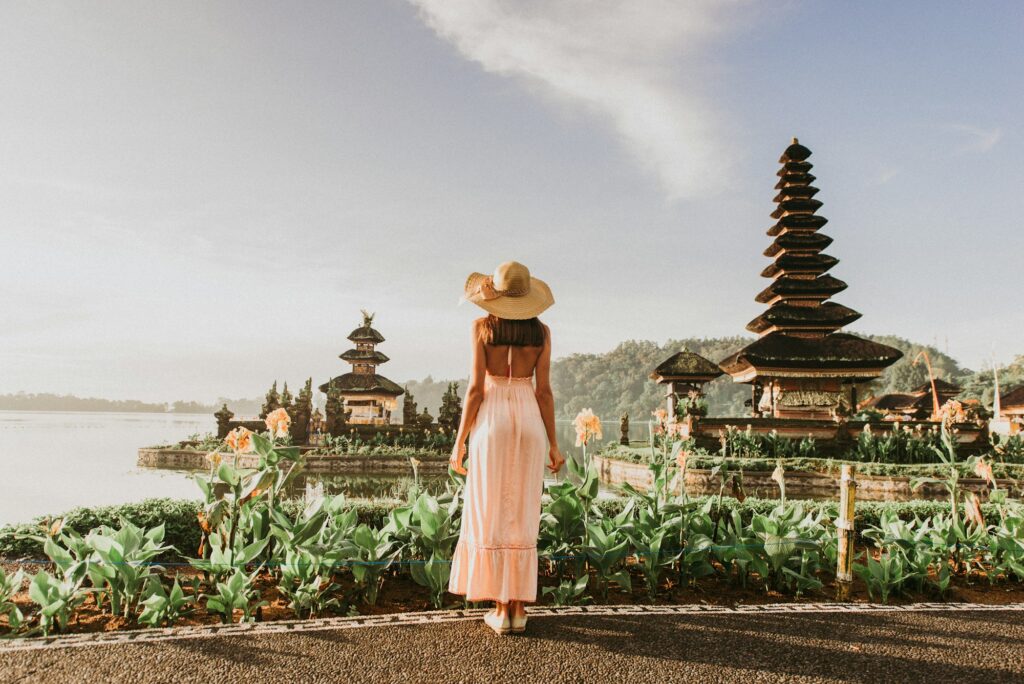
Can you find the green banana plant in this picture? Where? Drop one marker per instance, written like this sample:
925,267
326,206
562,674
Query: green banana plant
225,560
306,581
883,576
237,592
372,552
562,529
121,565
57,598
434,527
607,552
162,607
788,554
9,586
568,592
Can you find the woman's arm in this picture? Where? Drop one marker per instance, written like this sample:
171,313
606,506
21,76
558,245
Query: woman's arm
471,404
546,402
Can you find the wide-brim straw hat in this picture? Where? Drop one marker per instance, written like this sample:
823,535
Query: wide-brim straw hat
510,292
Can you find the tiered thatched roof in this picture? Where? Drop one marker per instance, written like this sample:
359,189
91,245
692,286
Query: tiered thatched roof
799,331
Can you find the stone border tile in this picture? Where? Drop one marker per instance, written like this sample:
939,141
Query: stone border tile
436,617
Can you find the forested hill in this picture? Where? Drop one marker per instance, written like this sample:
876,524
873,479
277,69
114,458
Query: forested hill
617,382
612,383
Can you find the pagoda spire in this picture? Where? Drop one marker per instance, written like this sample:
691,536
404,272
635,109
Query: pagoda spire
801,285
801,366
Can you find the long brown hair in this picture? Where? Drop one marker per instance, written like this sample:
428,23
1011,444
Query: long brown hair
524,333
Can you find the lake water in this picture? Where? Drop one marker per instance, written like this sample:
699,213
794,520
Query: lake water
51,462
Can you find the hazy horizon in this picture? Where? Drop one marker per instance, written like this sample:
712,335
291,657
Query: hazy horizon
199,198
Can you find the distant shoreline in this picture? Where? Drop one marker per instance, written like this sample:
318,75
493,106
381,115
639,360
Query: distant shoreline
128,412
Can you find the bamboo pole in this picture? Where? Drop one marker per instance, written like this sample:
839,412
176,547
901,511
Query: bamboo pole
931,379
844,561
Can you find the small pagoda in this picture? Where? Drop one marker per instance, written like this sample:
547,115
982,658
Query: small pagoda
802,366
368,397
684,374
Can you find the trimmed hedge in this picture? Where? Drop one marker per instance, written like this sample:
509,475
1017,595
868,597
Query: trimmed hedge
182,529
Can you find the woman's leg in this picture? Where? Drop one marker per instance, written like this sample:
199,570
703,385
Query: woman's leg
501,609
517,609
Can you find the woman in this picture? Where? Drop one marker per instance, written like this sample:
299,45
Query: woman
511,428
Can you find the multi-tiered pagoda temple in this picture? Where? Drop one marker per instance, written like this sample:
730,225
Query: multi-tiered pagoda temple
802,366
369,397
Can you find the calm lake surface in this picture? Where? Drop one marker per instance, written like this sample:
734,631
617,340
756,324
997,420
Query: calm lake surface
51,462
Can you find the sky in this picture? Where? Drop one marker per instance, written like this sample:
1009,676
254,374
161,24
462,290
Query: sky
197,198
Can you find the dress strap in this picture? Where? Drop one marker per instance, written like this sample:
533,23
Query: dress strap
510,363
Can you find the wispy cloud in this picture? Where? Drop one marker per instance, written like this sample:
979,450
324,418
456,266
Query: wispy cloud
884,175
977,139
640,64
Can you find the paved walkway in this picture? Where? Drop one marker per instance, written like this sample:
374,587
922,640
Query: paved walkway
760,644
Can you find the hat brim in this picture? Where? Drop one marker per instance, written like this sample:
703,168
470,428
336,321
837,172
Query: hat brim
518,308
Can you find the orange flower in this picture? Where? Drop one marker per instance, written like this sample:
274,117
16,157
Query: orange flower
240,440
587,426
681,458
204,524
214,458
278,422
983,469
661,415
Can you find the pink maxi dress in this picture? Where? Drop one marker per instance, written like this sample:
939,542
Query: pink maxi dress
496,555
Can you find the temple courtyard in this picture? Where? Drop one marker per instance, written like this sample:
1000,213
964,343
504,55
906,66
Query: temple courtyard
806,642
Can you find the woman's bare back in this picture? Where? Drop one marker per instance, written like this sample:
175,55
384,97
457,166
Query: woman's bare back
524,360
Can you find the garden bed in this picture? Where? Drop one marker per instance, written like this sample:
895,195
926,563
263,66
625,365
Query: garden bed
806,478
400,594
248,552
179,518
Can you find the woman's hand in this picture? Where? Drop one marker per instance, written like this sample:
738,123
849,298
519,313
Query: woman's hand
555,459
458,456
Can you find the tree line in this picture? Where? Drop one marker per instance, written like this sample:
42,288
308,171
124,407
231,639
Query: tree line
611,383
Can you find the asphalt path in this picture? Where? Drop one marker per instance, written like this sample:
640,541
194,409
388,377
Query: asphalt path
984,646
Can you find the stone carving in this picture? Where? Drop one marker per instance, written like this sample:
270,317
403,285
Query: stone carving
451,408
272,401
316,427
424,420
408,408
286,399
624,429
810,398
301,411
337,415
223,416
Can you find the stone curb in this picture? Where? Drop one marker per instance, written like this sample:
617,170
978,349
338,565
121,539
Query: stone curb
439,616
